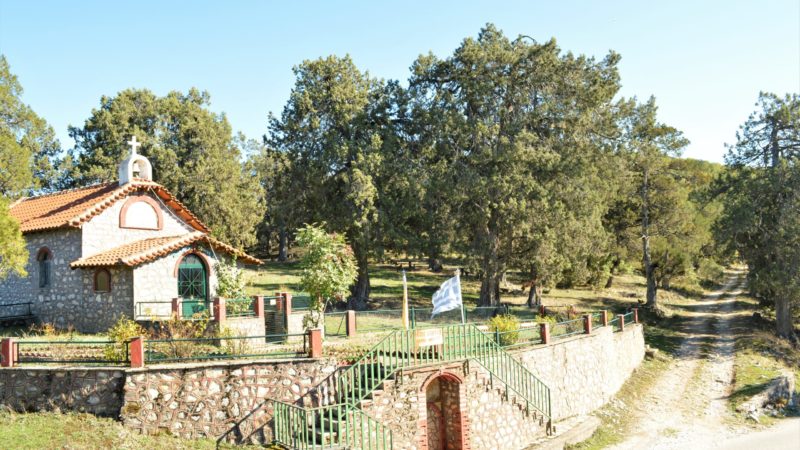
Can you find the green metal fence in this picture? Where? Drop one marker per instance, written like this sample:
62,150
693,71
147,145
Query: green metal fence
404,349
240,307
71,352
530,335
336,323
154,310
329,427
190,307
234,347
566,328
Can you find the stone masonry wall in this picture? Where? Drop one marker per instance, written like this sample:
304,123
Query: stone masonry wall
213,400
585,371
60,303
90,390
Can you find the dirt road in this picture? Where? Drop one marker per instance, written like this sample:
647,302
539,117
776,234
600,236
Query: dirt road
686,407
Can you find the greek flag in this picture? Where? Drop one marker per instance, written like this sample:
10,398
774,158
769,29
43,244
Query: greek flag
448,297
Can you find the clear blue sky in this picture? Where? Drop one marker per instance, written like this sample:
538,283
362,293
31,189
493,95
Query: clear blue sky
705,61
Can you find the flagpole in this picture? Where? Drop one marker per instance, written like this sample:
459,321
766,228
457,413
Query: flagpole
405,302
458,279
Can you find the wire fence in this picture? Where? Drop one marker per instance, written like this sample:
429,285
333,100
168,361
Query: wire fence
240,307
234,347
561,330
71,352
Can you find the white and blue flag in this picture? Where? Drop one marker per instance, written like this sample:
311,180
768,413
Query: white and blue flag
448,297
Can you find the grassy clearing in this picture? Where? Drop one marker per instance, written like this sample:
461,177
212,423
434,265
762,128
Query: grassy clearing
85,431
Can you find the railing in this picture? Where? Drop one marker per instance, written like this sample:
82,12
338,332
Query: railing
518,338
614,323
567,328
379,320
234,347
409,348
72,352
336,323
19,310
240,307
329,427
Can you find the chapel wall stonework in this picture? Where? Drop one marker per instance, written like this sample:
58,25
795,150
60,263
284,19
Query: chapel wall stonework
58,302
103,231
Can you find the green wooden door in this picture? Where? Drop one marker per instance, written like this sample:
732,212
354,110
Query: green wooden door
192,285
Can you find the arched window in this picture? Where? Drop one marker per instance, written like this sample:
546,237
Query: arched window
45,260
102,280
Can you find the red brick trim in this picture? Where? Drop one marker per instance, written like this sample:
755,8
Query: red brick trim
45,251
94,284
136,199
193,251
422,401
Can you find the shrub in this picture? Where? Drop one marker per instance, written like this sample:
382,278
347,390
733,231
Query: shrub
508,327
709,270
175,328
233,346
231,280
123,331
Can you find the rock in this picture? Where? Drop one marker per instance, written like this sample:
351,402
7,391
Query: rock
753,416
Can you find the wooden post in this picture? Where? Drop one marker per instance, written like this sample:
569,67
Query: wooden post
136,351
176,307
587,323
258,305
351,323
621,322
635,315
542,311
315,341
219,309
7,354
604,318
544,330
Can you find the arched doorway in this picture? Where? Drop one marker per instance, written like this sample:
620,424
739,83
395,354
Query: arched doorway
444,415
192,284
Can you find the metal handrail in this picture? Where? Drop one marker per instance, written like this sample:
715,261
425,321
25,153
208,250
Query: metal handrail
332,426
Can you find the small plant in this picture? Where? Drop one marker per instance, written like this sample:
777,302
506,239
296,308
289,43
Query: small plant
176,328
238,306
123,331
507,328
329,267
709,270
231,280
233,346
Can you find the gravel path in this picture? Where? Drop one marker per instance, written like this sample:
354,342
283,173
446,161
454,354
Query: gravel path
686,407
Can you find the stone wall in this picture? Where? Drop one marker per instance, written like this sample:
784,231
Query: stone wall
103,231
229,400
585,371
90,390
60,303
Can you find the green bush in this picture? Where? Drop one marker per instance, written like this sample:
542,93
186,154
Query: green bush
709,270
508,328
123,331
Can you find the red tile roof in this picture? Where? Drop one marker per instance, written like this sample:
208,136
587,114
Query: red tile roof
146,250
73,207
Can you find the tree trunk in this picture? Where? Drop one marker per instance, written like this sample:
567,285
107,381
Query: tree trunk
647,262
614,267
535,295
361,289
283,244
783,318
490,265
434,264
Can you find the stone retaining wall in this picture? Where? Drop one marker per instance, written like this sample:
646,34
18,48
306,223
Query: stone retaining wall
585,371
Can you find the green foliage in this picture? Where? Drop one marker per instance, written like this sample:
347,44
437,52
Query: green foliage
13,253
192,151
710,270
508,327
233,346
121,333
28,146
231,280
329,267
761,221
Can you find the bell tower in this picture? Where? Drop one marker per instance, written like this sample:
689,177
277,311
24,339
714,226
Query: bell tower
134,166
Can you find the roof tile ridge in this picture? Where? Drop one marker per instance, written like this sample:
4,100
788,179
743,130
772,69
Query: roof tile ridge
174,243
64,191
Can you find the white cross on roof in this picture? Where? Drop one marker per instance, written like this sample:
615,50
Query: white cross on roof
134,143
